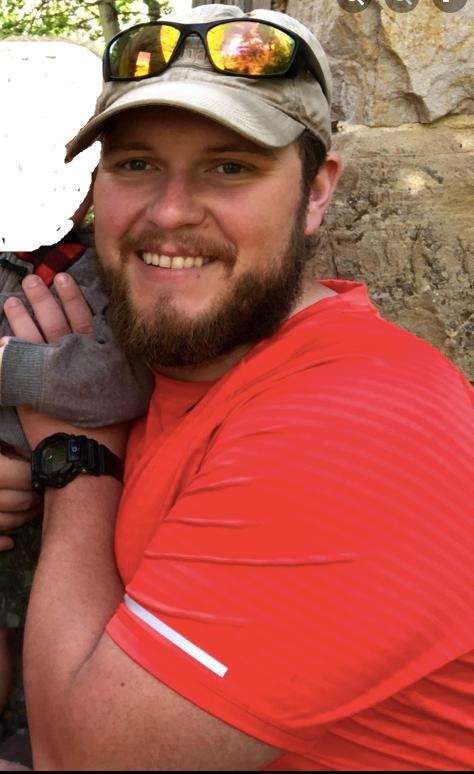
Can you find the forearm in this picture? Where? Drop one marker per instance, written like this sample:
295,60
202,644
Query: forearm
75,592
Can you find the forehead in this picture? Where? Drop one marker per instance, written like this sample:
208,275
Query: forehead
159,126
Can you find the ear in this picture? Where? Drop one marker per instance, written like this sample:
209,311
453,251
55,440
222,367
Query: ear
322,190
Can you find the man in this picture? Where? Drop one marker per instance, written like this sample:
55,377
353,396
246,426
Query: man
294,584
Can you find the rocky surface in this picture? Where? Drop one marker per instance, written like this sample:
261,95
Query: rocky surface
395,68
402,219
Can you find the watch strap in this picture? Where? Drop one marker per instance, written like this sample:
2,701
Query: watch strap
107,463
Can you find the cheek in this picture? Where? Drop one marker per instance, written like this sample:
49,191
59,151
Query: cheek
113,212
272,225
251,223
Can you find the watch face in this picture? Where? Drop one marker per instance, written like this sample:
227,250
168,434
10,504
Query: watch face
54,458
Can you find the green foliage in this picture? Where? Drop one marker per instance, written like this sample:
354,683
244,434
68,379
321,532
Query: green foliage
76,18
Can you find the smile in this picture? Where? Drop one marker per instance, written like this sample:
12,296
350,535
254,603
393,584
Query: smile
174,262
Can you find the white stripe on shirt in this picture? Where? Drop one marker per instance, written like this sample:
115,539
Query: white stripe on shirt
173,636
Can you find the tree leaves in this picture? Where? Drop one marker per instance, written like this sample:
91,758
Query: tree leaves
71,18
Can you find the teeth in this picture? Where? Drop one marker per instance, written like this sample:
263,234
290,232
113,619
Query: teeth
177,262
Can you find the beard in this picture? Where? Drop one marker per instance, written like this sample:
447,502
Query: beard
252,309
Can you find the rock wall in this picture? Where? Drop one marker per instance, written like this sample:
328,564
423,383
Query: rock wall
394,68
402,219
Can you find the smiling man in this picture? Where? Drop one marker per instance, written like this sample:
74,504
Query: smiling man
194,269
285,580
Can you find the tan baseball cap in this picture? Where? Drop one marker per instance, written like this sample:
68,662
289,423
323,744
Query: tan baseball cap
270,111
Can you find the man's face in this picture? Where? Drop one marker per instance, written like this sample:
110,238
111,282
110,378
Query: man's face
200,234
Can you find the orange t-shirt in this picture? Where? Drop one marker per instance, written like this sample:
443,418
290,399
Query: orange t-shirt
296,544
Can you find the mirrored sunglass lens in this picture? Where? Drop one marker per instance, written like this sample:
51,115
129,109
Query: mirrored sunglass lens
169,37
250,48
142,52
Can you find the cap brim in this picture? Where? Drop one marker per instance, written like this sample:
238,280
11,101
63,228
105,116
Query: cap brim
229,105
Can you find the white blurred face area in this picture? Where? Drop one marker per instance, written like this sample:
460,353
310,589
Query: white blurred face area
48,91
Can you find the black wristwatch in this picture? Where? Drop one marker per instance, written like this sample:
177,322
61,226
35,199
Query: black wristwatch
59,458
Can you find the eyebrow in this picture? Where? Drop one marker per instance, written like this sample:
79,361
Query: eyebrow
241,147
110,145
244,147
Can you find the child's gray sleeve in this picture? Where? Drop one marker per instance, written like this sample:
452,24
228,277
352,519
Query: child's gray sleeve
85,380
11,431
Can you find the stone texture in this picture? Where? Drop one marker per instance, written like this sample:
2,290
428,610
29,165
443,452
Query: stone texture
402,217
391,68
402,221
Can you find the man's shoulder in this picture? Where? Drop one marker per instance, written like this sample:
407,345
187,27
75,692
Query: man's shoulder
387,386
342,347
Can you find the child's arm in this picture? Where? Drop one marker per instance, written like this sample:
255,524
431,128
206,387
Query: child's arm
12,270
83,379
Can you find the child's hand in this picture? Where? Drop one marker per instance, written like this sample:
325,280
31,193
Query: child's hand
52,320
18,503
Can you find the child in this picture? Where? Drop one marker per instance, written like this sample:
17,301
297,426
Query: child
86,380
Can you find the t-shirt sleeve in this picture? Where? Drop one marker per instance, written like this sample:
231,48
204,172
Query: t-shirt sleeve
316,564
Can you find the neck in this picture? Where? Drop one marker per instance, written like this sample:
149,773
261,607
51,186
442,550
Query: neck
312,293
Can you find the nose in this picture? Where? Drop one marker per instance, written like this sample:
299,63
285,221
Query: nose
175,204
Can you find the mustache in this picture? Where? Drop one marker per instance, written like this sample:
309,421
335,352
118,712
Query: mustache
150,241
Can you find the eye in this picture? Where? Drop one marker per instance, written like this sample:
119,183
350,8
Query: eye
136,165
231,168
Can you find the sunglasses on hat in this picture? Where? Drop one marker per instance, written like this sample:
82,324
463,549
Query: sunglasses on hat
242,47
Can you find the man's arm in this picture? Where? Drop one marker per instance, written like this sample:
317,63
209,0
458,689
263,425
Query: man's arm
90,706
